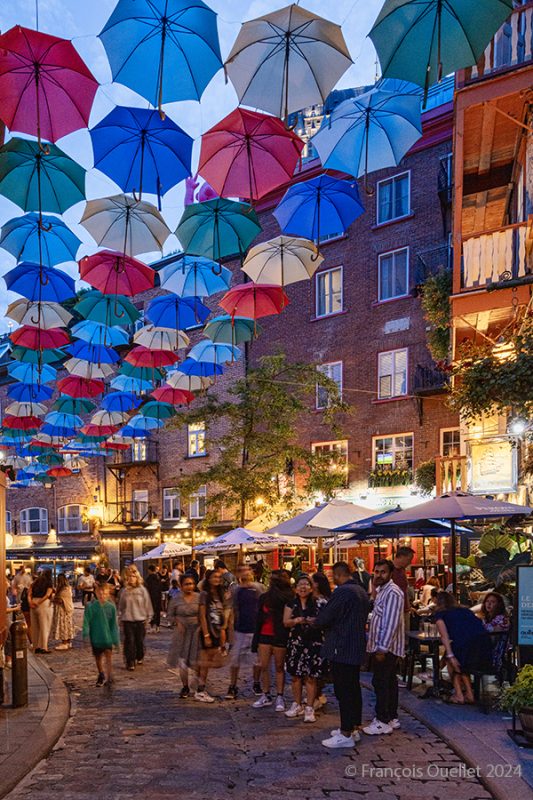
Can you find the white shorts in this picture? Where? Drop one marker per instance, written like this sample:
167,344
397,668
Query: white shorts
241,651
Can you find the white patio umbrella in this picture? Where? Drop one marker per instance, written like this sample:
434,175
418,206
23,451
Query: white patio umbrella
165,550
241,538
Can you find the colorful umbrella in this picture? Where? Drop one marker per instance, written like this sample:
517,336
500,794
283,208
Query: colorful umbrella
124,224
99,334
26,409
158,410
104,417
29,392
218,228
231,330
80,387
194,276
200,369
176,397
282,260
38,339
99,430
59,472
131,385
214,353
144,357
122,402
189,383
45,315
48,243
287,60
109,309
249,300
87,370
29,373
37,283
96,353
72,405
28,356
179,313
22,423
144,373
118,443
144,424
248,155
63,420
114,273
161,338
165,52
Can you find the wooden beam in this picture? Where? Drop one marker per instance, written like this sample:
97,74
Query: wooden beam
488,125
481,210
457,205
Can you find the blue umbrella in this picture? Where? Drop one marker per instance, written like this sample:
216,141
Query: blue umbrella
29,392
164,51
59,431
133,433
120,401
126,383
31,373
95,353
12,438
195,276
100,334
53,243
140,151
140,423
63,420
214,353
179,313
319,208
40,283
201,369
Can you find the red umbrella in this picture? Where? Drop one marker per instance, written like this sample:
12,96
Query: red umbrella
45,87
116,273
54,442
254,301
145,357
22,423
37,339
111,445
59,472
99,430
176,397
248,154
80,387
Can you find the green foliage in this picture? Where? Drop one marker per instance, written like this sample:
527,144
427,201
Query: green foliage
436,306
495,538
426,476
500,568
467,562
520,694
389,476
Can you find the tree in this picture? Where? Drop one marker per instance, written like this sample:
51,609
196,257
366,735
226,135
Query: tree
253,436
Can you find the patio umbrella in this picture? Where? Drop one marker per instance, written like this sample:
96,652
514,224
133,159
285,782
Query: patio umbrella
45,88
49,243
242,539
44,315
189,383
287,60
163,51
27,355
161,338
315,522
422,40
38,339
176,397
37,283
249,300
145,357
282,260
369,132
95,353
200,369
248,154
231,330
122,402
213,353
319,208
124,224
113,273
179,313
165,550
217,228
31,374
29,392
195,276
157,410
80,387
110,309
72,405
99,334
88,370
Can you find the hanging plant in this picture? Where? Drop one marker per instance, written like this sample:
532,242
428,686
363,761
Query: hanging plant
426,476
435,300
389,476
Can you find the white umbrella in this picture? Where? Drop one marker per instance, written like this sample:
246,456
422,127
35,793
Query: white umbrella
21,409
165,550
243,538
283,260
86,369
102,417
44,315
319,520
122,224
191,383
161,338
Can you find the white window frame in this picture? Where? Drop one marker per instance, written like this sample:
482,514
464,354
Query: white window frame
195,502
25,521
335,446
196,440
139,450
392,436
9,524
391,180
322,275
441,439
407,271
171,495
140,502
394,354
62,517
326,369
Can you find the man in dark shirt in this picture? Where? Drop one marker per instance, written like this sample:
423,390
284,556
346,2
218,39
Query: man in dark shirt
153,585
402,560
245,605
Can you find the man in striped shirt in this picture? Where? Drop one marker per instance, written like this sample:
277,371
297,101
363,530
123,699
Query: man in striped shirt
386,644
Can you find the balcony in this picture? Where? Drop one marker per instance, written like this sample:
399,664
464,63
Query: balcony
128,512
429,381
143,451
496,257
430,262
451,474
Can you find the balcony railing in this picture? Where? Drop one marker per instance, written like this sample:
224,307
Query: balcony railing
429,380
451,474
512,47
430,262
129,511
142,452
496,256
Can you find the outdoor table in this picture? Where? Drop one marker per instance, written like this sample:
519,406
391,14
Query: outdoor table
433,643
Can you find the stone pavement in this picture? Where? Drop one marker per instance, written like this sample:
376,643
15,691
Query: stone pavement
139,740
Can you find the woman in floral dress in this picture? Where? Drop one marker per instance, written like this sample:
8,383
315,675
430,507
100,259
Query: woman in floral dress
63,622
183,614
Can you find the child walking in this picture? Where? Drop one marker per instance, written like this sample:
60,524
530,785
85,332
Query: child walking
101,628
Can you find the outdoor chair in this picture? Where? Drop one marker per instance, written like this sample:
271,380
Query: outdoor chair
501,668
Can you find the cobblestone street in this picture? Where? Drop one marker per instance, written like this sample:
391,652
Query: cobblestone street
139,740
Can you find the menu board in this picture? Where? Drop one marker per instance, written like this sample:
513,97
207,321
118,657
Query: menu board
524,600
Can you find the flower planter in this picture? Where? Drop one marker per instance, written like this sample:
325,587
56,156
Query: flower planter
526,721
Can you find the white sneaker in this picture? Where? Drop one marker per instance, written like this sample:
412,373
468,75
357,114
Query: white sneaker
295,710
395,724
261,702
280,703
204,697
377,728
356,736
309,714
339,740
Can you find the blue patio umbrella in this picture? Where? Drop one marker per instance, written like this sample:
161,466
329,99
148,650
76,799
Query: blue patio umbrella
165,51
126,383
201,369
31,374
179,313
140,151
62,420
213,353
29,392
35,282
120,401
319,208
99,334
49,244
195,276
95,353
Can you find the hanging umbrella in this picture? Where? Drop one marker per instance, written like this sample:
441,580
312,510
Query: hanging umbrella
99,430
29,392
140,151
45,241
118,443
214,353
200,369
161,338
96,353
74,463
38,339
194,276
99,334
131,385
165,550
114,273
40,181
124,224
248,155
17,462
422,40
30,373
108,418
121,402
319,208
145,357
22,423
44,315
218,228
110,309
25,409
231,330
179,313
144,373
38,283
164,52
282,260
59,472
158,410
176,397
72,405
142,424
249,300
189,383
369,132
75,386
28,356
87,370
63,420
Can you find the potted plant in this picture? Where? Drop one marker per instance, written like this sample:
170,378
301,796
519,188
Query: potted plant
519,698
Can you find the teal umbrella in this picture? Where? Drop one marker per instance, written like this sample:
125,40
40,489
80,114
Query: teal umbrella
29,356
231,330
218,228
422,40
157,410
142,373
73,405
40,180
112,309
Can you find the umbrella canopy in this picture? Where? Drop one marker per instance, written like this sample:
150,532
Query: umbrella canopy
369,132
242,538
37,283
189,383
176,397
99,430
22,423
165,52
75,386
124,224
38,339
194,276
445,35
36,180
131,385
31,374
111,309
376,527
287,60
231,330
217,228
72,405
157,410
145,357
178,313
88,370
96,353
122,402
50,243
29,392
139,423
144,373
319,208
27,355
165,550
64,420
114,273
248,154
98,334
200,369
59,472
214,353
161,338
249,300
26,409
317,521
282,260
44,315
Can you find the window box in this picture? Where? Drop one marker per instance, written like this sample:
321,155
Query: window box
389,476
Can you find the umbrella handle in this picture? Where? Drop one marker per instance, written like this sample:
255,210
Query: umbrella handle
118,311
290,127
134,193
217,270
41,276
315,256
34,321
44,226
44,148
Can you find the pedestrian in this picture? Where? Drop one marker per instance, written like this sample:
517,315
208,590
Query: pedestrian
228,578
184,613
344,619
303,661
153,586
175,575
115,584
40,596
402,560
21,580
321,590
173,592
270,637
212,631
245,603
361,575
86,584
165,586
63,622
193,569
135,610
386,644
101,629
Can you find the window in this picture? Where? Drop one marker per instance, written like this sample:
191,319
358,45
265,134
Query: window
393,274
196,440
329,292
139,501
334,372
34,520
336,452
70,519
139,450
394,451
393,198
198,503
8,521
171,503
450,442
392,374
